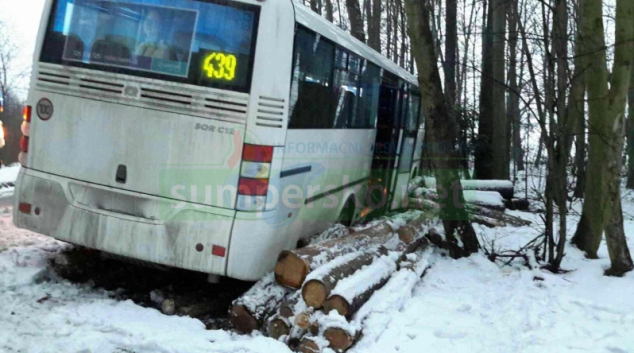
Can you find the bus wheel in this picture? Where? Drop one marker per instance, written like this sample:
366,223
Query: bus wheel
347,213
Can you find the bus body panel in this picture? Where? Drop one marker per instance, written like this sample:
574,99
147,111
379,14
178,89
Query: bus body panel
270,89
182,240
93,140
316,182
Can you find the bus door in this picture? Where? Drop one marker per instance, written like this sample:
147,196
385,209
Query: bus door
387,144
409,126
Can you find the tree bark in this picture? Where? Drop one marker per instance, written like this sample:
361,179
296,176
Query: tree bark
630,135
356,19
491,148
607,96
441,126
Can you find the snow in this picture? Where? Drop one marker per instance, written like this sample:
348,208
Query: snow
475,184
485,198
466,305
364,278
9,173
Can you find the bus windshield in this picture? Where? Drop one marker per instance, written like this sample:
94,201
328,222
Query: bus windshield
201,43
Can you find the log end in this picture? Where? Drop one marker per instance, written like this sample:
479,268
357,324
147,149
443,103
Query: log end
278,328
242,319
302,320
314,294
337,302
308,345
407,234
339,339
291,270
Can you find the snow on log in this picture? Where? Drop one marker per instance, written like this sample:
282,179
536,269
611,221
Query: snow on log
351,293
250,311
489,199
322,281
293,266
503,187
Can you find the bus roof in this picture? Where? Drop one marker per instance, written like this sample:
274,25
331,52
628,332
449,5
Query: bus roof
306,17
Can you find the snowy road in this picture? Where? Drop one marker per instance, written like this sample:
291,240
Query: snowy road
6,201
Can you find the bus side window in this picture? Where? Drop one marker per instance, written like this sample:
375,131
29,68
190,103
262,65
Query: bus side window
368,103
311,102
346,89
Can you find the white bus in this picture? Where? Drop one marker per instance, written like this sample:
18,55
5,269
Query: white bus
208,135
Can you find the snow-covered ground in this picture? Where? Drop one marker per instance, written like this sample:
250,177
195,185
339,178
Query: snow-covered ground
467,305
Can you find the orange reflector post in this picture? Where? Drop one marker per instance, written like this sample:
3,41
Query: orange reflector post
218,251
25,207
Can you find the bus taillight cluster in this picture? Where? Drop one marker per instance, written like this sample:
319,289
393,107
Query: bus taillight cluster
255,171
26,129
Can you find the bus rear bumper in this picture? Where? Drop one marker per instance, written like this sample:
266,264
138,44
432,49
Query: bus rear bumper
193,239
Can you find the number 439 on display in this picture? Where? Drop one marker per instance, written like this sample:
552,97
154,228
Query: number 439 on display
220,66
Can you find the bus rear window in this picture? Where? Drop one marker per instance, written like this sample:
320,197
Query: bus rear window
201,43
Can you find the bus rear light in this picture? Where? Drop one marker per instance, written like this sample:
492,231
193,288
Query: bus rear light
255,153
253,187
26,113
26,128
25,207
256,170
219,251
24,144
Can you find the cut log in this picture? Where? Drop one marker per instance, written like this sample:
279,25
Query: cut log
278,327
302,320
293,266
322,281
517,204
251,310
351,293
339,339
412,230
287,308
311,345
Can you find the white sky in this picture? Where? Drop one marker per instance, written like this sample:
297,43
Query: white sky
23,19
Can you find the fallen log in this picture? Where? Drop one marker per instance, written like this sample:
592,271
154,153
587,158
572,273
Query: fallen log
517,204
292,267
287,308
320,283
351,293
251,310
504,187
475,212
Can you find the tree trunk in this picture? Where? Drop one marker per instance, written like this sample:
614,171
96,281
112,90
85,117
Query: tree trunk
329,11
356,19
513,110
630,135
451,38
441,126
606,100
491,148
374,24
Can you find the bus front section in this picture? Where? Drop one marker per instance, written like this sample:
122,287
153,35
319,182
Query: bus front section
145,130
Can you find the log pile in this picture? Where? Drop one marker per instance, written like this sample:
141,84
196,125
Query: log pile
318,295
